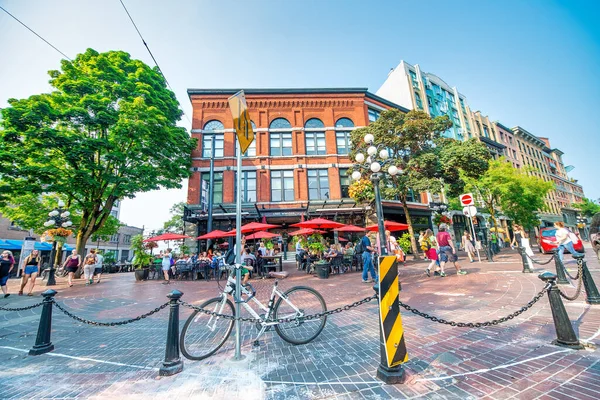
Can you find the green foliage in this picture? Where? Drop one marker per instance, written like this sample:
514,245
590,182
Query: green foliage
518,194
588,207
404,242
140,257
469,159
299,238
175,224
106,132
110,257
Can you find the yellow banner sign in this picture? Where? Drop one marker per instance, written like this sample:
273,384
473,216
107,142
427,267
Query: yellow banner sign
241,120
389,312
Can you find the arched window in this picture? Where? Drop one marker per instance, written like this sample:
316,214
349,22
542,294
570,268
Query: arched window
212,129
280,142
314,131
343,126
280,123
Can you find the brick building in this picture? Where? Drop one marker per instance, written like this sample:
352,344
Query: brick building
297,165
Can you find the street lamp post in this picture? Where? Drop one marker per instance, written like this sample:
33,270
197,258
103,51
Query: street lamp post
59,217
378,157
582,221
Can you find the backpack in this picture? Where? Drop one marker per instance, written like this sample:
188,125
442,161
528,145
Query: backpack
90,260
359,248
171,261
230,257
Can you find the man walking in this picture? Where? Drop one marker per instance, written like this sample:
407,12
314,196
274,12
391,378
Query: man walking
447,251
564,240
367,257
98,266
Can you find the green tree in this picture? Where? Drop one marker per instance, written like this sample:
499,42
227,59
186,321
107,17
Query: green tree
588,207
175,224
460,159
502,187
411,141
106,132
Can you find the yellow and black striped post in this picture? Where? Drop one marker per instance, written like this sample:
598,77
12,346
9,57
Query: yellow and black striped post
393,347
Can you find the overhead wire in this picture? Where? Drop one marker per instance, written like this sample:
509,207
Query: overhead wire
151,55
36,34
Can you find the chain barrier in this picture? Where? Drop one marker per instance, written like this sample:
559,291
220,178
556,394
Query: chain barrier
281,320
541,263
117,323
478,324
579,284
576,276
21,308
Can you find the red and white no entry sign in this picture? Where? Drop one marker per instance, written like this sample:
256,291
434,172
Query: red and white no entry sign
467,199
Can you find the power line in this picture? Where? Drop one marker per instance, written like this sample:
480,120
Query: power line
35,33
152,55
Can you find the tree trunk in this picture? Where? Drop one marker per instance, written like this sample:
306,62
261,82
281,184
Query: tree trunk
57,256
82,239
413,242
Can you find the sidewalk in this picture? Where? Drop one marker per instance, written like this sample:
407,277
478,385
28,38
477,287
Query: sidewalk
514,359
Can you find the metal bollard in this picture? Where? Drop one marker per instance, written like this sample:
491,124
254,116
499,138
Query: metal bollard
173,363
42,341
592,295
560,270
565,334
523,254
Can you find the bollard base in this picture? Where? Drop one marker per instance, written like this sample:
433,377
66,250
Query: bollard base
391,376
527,271
572,346
171,368
37,350
593,300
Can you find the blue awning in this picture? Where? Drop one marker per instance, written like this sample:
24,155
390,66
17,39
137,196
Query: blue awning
11,244
6,245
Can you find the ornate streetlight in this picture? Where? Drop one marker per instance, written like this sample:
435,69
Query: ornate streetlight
57,218
378,158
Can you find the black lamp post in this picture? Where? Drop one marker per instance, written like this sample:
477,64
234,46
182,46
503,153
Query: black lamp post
378,157
57,218
582,222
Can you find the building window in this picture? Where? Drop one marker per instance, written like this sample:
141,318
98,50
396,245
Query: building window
418,101
282,185
280,142
212,128
344,182
342,136
126,239
251,151
373,115
115,238
114,213
318,184
486,133
248,186
315,137
217,188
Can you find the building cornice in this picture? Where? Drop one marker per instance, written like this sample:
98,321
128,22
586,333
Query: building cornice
517,130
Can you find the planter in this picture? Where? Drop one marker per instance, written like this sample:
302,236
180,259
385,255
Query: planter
139,274
322,270
146,273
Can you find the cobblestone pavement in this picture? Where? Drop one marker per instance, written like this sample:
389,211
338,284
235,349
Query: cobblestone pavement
511,360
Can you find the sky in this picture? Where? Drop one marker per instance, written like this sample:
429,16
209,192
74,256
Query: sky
529,63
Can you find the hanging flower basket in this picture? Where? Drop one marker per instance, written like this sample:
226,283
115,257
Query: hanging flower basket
58,234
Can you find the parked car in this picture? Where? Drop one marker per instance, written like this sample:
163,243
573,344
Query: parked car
595,234
547,241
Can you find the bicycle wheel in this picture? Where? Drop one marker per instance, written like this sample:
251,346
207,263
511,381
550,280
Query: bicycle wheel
304,301
203,334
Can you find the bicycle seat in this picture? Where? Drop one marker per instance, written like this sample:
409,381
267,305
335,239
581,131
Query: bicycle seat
279,275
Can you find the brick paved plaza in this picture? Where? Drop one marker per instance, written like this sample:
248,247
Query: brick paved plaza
511,360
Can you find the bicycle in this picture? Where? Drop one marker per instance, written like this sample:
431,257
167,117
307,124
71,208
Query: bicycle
59,272
204,334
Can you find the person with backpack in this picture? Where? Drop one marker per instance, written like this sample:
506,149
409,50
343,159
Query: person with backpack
89,266
564,239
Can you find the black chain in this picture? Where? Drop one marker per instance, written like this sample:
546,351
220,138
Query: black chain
541,263
281,320
576,276
117,323
21,308
478,324
579,284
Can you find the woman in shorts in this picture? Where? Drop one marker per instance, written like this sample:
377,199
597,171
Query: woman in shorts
72,263
32,263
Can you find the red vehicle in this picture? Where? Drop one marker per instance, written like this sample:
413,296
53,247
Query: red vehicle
547,242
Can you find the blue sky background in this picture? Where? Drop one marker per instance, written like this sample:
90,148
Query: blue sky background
528,63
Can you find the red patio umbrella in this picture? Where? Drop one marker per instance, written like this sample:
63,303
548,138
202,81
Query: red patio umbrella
305,232
167,236
389,226
253,227
341,239
350,228
216,234
318,223
262,235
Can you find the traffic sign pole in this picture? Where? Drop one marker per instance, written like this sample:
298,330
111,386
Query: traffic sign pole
473,232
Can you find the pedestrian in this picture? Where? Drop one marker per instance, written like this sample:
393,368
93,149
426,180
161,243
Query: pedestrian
467,245
71,264
367,258
564,239
89,266
262,249
32,264
447,251
521,240
429,246
167,261
7,262
99,265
